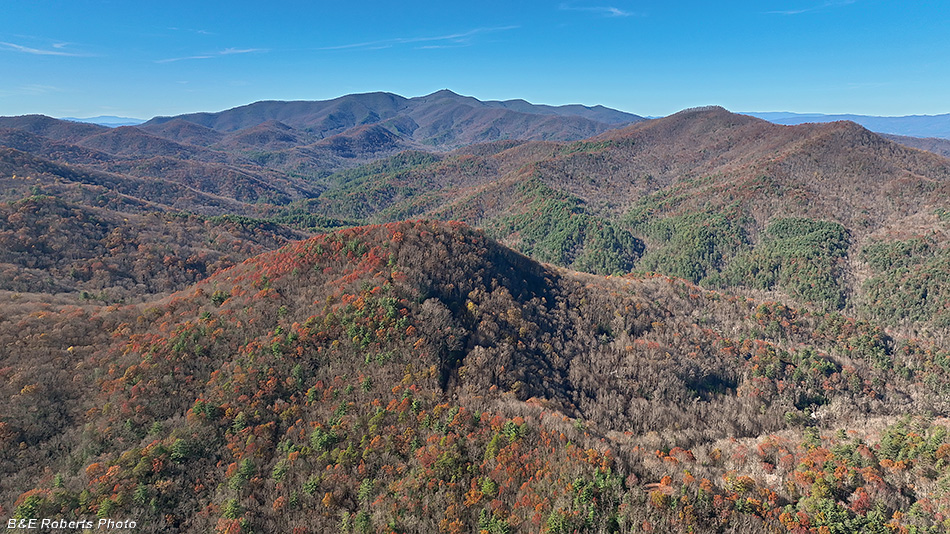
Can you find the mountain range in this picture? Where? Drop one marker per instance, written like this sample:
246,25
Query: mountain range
312,139
107,120
381,314
919,126
909,126
331,116
602,204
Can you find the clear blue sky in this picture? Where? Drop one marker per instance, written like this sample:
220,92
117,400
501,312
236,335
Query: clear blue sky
145,58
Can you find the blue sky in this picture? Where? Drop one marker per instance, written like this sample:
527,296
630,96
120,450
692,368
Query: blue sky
141,59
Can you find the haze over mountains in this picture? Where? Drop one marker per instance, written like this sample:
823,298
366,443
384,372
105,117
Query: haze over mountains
910,126
107,120
307,112
350,110
355,125
381,314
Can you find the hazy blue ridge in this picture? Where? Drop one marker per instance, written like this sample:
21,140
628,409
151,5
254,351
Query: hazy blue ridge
910,125
107,120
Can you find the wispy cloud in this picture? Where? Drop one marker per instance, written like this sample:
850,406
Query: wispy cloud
440,47
819,7
183,58
190,30
461,38
212,55
31,89
39,89
58,50
232,51
605,11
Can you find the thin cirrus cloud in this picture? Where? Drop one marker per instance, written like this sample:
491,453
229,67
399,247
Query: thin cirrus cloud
820,7
57,50
31,90
440,41
606,11
212,55
190,30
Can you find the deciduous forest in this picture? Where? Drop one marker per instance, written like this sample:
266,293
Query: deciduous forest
704,323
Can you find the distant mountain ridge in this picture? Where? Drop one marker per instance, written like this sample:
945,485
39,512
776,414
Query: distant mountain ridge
910,125
110,121
709,153
440,120
936,145
312,139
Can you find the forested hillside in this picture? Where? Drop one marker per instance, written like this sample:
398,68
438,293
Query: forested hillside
419,377
355,316
722,200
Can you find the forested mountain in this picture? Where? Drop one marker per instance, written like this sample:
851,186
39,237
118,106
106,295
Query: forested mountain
420,377
716,198
931,144
838,171
442,114
310,139
51,245
707,322
697,194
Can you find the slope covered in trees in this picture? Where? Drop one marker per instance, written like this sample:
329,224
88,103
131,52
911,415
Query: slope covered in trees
48,245
770,353
692,195
699,195
695,195
421,377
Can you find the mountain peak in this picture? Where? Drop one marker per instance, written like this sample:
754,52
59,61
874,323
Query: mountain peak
702,109
444,93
